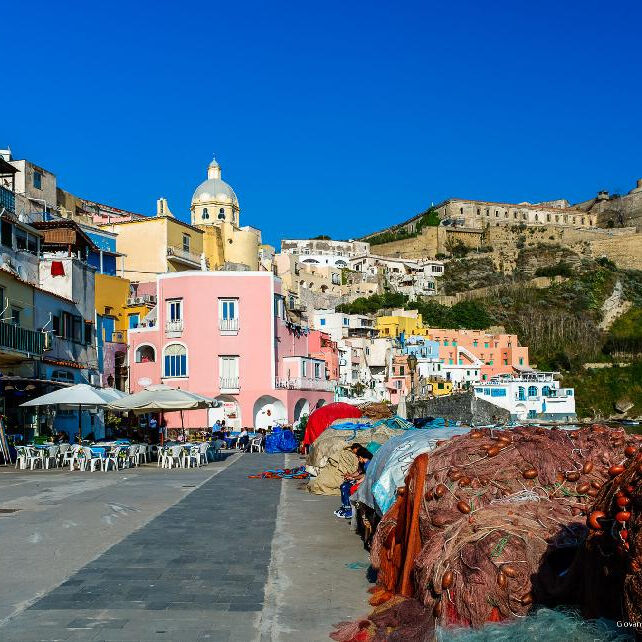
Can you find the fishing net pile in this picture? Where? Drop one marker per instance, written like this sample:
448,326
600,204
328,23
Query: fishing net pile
485,526
375,410
330,458
607,576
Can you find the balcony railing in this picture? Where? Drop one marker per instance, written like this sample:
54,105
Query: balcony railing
7,200
228,325
13,337
180,254
304,383
229,383
174,326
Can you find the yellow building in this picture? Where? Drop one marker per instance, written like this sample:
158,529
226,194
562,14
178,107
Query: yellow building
156,245
215,210
441,387
114,300
394,325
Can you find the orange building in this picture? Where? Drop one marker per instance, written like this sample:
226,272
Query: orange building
500,353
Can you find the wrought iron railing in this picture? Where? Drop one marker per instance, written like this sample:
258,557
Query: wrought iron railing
304,383
229,383
228,325
13,337
174,326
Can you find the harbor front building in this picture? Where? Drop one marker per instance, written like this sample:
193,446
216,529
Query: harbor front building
226,335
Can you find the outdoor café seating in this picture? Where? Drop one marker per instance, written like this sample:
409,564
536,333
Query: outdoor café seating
108,456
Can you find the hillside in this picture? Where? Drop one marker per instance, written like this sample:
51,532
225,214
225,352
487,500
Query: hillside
559,323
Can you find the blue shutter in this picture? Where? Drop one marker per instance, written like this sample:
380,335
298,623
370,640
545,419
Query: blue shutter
183,369
167,362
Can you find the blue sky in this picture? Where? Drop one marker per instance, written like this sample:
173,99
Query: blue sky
327,118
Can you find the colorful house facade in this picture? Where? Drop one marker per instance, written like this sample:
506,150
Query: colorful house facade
498,353
225,335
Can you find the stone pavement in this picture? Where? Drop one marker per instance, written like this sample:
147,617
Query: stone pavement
236,559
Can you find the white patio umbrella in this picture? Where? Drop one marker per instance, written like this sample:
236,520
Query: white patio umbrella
162,398
78,396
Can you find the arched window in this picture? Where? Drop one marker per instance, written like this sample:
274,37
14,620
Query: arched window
532,391
521,393
145,354
221,214
205,213
546,391
175,361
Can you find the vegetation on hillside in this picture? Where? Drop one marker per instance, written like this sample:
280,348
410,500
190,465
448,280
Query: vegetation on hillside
470,315
598,390
429,218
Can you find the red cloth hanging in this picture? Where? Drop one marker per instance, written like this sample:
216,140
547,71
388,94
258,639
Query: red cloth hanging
57,268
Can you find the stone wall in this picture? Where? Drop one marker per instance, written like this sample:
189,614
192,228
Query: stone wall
621,245
462,407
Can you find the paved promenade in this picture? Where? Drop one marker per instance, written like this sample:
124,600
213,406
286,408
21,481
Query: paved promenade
204,554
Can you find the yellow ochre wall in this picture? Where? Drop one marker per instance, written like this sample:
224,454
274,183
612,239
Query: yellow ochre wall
393,326
144,244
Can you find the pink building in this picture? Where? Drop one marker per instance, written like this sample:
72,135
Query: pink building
399,382
225,335
321,346
499,353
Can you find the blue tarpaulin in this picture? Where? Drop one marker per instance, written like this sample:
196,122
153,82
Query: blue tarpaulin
282,441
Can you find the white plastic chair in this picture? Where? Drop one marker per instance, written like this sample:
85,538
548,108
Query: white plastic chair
33,458
69,454
113,457
173,457
21,457
190,454
90,459
50,456
141,454
161,451
132,456
203,448
256,445
63,449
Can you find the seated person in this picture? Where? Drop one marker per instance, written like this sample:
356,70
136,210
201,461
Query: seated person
243,440
352,480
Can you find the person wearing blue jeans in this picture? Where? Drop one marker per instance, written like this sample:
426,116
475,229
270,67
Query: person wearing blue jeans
363,456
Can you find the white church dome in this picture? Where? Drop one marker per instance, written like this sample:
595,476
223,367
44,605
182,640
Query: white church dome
214,189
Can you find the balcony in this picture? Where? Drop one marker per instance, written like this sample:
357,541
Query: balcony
7,200
174,327
17,339
228,325
183,256
229,384
304,383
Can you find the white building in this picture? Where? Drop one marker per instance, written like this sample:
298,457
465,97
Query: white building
532,395
325,251
340,326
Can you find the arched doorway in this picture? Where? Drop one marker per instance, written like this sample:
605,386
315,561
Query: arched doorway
269,411
302,407
521,411
229,410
